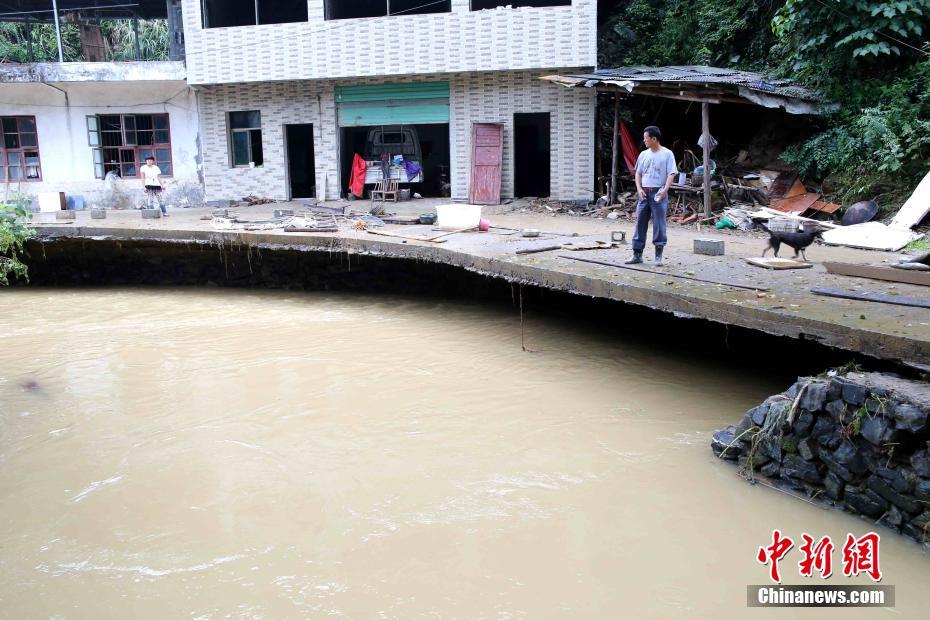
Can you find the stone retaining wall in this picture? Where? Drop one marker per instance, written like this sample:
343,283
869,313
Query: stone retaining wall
858,441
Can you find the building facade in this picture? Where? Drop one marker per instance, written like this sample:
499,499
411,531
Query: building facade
288,91
64,126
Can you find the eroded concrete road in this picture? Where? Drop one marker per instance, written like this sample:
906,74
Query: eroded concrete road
787,308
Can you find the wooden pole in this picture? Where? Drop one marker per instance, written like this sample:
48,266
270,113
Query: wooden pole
135,30
705,132
613,161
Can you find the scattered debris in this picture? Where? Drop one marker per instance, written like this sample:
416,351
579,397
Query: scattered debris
877,236
251,201
400,219
860,213
663,273
574,246
871,296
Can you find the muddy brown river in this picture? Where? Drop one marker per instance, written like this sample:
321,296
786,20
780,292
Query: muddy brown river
230,454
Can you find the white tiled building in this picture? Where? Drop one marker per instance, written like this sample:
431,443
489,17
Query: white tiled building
270,91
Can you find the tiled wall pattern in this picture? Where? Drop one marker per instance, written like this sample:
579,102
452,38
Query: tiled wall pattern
280,103
475,97
495,97
460,41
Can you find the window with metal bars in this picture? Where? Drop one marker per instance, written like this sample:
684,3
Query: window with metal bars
121,142
19,149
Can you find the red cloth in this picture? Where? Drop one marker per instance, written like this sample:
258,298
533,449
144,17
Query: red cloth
629,148
357,181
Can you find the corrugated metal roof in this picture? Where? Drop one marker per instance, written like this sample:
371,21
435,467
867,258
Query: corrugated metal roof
750,86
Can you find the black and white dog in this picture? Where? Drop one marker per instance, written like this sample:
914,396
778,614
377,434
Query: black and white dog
797,240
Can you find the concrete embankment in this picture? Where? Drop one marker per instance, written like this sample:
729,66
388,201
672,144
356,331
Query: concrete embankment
857,441
721,289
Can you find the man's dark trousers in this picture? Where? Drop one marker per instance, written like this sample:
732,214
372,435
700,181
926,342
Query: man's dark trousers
653,209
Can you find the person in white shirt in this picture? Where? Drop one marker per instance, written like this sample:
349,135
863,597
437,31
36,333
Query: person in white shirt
151,180
655,169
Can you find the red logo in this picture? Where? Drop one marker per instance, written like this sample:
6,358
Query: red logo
860,555
817,557
774,553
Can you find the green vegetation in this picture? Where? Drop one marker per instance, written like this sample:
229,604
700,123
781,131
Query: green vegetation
118,37
14,232
873,58
918,246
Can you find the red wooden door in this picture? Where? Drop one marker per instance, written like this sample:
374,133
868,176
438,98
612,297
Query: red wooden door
487,155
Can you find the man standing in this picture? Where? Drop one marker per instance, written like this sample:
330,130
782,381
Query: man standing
151,180
655,169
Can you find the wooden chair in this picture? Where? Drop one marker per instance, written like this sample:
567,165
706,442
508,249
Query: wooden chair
386,189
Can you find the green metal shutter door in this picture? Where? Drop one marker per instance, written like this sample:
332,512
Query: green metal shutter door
393,104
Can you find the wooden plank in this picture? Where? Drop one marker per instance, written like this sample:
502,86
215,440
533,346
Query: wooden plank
874,272
825,207
783,185
773,262
881,298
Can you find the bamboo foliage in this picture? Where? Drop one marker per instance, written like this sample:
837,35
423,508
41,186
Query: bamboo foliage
117,34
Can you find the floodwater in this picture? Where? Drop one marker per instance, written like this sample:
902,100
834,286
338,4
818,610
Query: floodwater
231,454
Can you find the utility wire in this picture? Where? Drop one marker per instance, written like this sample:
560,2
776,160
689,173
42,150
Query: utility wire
878,32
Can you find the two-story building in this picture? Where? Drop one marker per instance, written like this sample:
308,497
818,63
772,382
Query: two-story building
290,90
65,126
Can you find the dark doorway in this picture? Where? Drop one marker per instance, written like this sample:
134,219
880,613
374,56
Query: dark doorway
300,165
531,154
434,157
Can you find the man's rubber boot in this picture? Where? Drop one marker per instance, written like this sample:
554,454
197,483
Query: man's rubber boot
659,250
637,258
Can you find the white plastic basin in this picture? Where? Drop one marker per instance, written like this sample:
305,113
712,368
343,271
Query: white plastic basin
455,217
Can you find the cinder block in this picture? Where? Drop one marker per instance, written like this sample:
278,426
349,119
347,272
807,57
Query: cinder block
283,212
64,215
151,214
98,214
709,247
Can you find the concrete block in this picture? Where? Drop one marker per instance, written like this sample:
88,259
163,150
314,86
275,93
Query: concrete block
283,212
64,215
151,214
709,247
220,212
98,214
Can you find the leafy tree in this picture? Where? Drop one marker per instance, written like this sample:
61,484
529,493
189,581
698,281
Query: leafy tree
14,232
820,36
666,32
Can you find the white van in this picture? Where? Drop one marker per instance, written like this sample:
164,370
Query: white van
400,143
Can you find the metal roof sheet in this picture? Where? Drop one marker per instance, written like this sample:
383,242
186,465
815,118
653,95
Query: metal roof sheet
751,86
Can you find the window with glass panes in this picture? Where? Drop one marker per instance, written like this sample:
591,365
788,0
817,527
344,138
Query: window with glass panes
122,142
19,149
245,138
